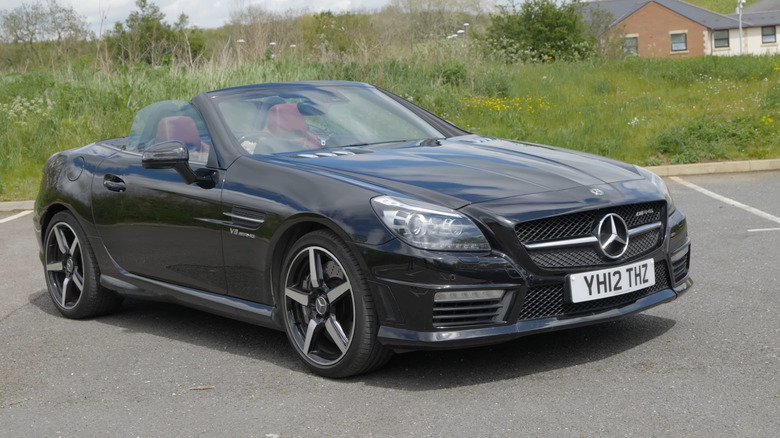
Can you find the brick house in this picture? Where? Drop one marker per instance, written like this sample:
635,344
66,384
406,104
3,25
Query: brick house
673,28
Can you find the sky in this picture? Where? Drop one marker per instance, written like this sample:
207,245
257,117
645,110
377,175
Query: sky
202,13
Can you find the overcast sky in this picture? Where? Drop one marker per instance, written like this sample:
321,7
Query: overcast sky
202,13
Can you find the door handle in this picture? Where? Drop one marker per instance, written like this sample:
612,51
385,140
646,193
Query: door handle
114,183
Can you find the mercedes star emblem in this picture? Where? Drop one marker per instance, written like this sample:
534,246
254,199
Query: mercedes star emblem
612,234
597,192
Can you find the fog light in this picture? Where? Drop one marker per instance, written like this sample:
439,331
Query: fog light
468,295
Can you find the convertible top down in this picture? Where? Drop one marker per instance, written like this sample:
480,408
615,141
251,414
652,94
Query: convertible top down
356,221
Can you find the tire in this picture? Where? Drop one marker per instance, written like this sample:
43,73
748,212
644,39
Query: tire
327,308
72,274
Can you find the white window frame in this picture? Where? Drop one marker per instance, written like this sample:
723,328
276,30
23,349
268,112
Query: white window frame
674,33
773,35
633,36
715,39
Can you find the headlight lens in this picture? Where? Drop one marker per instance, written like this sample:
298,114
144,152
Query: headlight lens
429,226
659,182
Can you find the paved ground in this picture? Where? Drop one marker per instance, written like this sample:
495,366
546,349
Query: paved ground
705,365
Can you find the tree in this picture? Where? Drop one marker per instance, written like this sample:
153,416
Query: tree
190,41
146,38
38,22
599,28
540,30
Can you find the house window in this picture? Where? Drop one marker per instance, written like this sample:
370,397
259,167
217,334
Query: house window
768,35
679,42
631,46
721,38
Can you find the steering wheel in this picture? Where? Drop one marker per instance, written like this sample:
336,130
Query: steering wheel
260,141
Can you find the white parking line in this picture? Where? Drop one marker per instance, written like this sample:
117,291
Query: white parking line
16,216
729,201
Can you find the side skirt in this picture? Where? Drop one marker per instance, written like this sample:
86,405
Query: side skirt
229,307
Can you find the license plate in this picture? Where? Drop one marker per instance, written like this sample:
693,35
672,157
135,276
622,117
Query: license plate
595,285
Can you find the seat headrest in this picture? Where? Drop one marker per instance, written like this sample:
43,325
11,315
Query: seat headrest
284,118
180,128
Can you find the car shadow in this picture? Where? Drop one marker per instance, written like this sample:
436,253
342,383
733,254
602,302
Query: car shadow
413,371
526,356
191,326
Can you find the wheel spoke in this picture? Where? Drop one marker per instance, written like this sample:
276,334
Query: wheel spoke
78,281
311,331
62,242
65,286
338,291
73,246
336,333
298,297
54,267
315,268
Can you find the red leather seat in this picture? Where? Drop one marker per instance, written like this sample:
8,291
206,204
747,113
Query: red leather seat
183,129
285,121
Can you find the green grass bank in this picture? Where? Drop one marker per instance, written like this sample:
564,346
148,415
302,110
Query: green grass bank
645,111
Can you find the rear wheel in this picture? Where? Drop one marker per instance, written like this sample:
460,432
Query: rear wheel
328,311
72,275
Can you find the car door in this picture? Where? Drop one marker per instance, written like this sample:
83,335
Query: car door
152,223
255,210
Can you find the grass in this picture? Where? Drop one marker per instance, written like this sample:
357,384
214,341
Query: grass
643,111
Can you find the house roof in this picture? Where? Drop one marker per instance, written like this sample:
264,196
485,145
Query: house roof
762,13
622,9
756,19
762,6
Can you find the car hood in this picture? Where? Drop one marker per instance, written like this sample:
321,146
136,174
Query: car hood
470,169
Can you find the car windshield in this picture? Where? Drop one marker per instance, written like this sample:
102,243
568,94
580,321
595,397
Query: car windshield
282,119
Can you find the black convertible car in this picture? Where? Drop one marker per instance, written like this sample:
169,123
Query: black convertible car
356,221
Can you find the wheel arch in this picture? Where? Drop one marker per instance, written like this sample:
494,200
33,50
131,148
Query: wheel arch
290,233
46,217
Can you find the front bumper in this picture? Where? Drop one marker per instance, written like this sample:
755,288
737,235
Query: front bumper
405,284
400,338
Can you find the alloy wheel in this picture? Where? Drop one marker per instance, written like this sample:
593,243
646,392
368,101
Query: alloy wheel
64,264
319,305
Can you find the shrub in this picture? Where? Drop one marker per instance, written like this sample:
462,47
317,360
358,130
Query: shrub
540,30
452,73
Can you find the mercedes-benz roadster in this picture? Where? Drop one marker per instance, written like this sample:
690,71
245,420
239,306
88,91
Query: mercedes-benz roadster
356,221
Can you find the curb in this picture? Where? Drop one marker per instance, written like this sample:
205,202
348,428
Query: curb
712,168
662,171
17,205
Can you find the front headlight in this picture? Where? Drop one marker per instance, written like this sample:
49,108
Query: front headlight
429,226
661,185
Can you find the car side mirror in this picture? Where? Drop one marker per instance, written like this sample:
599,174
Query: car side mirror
165,155
174,155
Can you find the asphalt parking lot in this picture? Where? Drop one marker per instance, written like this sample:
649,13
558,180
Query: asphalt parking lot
705,365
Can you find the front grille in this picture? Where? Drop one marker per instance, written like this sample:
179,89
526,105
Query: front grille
463,313
582,224
547,301
579,225
579,256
